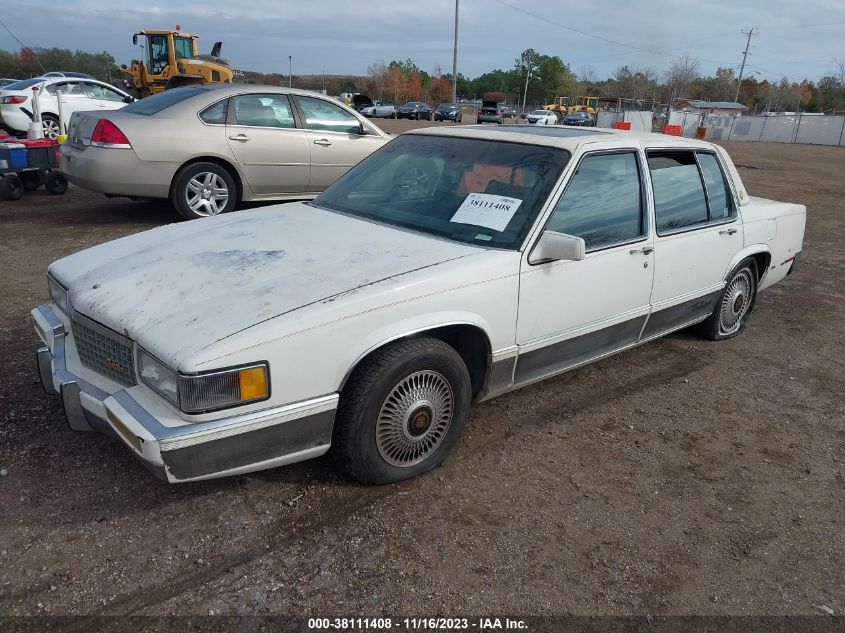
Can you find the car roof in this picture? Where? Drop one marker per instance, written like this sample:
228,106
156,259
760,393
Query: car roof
569,138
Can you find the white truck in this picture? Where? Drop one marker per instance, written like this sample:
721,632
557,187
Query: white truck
449,267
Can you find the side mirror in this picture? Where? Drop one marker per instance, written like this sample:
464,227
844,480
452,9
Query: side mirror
362,130
556,246
135,39
128,99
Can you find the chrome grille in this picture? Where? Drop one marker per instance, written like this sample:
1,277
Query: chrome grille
103,350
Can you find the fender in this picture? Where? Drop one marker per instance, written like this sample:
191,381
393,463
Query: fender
748,251
410,327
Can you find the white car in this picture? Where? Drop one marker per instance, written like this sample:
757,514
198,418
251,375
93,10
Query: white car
78,94
379,109
542,117
450,266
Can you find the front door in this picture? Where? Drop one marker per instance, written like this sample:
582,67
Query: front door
697,236
336,140
274,154
574,311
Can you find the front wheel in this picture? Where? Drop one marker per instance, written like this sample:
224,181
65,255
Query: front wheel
731,313
50,125
55,183
402,411
12,186
202,190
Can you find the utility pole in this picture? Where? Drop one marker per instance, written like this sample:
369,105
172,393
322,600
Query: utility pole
290,71
749,33
455,59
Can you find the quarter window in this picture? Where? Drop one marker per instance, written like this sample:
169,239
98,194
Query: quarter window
263,110
603,202
679,199
718,195
322,115
215,114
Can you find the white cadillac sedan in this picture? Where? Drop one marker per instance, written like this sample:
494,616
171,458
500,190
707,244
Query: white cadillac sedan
449,267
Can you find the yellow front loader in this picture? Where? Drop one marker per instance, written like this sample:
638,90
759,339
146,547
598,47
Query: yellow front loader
172,59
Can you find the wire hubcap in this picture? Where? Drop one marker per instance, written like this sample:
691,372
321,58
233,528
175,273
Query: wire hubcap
736,301
207,194
414,418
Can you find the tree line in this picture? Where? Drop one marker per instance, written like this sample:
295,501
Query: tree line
534,78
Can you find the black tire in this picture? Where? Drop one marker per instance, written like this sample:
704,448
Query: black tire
32,179
55,182
730,316
51,126
192,204
12,186
356,446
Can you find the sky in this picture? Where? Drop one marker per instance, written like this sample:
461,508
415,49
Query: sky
795,39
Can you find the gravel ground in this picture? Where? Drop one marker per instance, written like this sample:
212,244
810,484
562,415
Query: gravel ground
679,478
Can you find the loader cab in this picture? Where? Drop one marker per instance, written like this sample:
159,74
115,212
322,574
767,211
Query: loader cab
164,48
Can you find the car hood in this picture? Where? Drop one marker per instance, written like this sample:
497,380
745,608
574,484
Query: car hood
180,288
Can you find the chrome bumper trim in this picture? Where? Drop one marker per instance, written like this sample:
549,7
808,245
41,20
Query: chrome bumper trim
200,450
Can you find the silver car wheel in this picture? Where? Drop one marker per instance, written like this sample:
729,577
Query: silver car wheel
207,194
736,302
414,418
51,128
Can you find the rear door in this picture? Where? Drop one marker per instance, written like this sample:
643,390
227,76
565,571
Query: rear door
74,98
698,234
273,152
103,97
335,138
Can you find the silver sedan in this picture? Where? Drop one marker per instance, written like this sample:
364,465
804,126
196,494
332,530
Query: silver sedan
207,148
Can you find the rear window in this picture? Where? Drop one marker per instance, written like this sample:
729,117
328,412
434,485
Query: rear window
24,84
163,100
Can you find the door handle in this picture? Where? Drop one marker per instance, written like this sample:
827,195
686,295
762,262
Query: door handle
323,141
242,138
728,232
645,250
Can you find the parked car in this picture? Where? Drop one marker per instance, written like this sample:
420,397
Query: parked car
489,113
579,118
542,117
451,266
380,109
415,110
448,112
210,147
507,113
16,109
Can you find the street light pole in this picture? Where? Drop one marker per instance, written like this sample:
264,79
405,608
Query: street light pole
525,92
455,59
290,71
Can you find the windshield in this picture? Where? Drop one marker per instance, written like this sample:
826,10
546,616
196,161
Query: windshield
539,113
445,106
479,192
162,100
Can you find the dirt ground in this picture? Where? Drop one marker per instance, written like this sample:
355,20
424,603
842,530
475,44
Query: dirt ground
682,477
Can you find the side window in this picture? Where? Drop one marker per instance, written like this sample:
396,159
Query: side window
322,115
603,202
216,114
96,91
718,193
67,88
183,47
679,199
263,110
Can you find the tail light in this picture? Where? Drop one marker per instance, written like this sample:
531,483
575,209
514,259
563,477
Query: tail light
107,134
13,100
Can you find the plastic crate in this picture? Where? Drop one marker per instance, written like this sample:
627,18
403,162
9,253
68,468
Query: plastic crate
41,153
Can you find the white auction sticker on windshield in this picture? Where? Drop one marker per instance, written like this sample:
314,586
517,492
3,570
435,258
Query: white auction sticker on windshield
484,209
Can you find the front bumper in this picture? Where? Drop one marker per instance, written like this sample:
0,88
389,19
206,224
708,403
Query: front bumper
190,452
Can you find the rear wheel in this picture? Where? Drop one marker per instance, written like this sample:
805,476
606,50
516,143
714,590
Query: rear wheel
203,190
55,183
12,186
50,124
402,411
731,313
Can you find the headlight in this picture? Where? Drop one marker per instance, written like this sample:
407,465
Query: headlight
205,392
58,293
158,376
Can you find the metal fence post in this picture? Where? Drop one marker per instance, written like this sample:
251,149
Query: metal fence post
843,130
797,128
762,129
733,120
